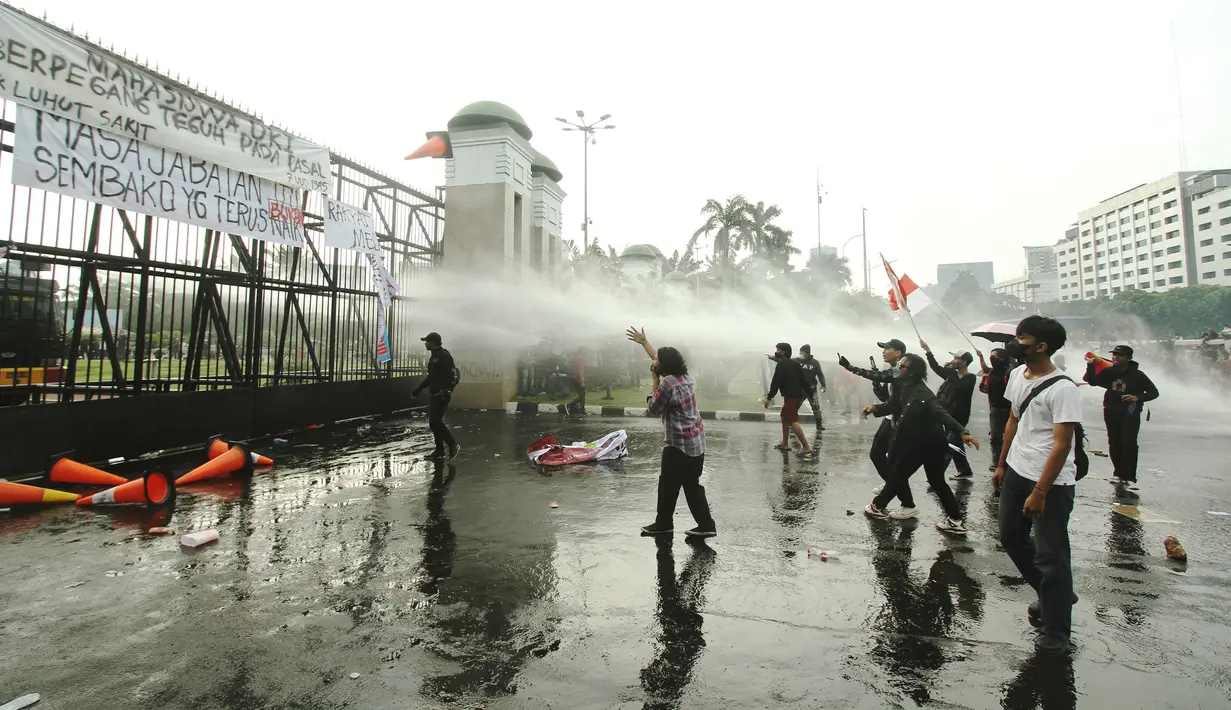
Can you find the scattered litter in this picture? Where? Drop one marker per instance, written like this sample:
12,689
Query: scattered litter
281,442
822,555
24,701
552,505
850,512
198,538
74,584
160,531
1175,550
113,573
497,455
1098,453
1217,512
354,676
1142,514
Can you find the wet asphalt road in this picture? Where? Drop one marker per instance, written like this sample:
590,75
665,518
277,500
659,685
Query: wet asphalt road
458,586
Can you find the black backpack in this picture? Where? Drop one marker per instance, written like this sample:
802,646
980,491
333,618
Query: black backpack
1079,432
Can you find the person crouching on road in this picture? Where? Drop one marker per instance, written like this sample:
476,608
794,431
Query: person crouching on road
789,379
918,440
683,458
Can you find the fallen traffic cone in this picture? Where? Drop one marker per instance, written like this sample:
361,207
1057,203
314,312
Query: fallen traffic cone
237,459
21,494
1099,363
215,447
65,470
154,488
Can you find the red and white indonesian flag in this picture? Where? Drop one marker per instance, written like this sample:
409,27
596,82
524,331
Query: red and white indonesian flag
904,293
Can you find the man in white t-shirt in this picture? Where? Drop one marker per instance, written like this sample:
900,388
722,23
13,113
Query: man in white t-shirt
1037,478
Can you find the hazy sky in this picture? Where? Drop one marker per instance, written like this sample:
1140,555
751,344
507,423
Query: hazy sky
967,129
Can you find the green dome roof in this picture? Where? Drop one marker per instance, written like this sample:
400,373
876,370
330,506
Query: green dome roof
541,164
646,251
482,113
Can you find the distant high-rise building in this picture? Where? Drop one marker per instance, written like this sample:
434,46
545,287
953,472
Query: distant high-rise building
831,251
1041,260
1175,231
946,274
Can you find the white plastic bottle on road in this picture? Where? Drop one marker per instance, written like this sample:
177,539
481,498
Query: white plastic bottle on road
823,555
198,538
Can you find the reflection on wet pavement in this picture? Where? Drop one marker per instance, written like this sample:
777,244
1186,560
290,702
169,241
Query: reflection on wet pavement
455,585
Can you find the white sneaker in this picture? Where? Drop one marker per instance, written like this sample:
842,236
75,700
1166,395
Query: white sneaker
872,511
877,491
951,526
904,513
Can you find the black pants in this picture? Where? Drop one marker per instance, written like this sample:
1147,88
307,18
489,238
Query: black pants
880,448
436,420
934,462
961,461
580,388
1122,430
679,470
999,419
1044,561
815,402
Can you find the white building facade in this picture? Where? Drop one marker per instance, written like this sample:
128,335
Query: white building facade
1147,238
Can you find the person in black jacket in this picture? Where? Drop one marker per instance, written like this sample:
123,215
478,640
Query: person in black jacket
995,380
439,382
1128,389
789,379
884,384
955,393
814,378
918,440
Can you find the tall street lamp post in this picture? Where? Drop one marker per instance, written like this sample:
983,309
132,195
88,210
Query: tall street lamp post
588,131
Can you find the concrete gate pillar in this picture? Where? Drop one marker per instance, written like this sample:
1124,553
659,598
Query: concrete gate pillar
503,207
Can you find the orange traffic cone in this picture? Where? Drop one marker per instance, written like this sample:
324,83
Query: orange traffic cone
237,459
1099,363
438,145
215,447
20,494
65,470
154,488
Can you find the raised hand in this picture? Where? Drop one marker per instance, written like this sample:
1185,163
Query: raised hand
637,336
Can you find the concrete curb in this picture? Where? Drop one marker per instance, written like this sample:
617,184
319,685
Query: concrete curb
609,411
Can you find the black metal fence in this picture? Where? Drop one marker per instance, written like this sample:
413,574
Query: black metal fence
97,302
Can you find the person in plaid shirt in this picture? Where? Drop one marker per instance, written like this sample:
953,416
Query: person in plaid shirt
683,457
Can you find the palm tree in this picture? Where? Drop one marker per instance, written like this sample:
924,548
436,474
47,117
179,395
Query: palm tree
770,244
684,262
829,270
727,224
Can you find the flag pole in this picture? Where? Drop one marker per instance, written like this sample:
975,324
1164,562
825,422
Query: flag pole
955,325
897,290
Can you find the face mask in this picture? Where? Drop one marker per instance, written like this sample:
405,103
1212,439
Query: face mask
1015,349
997,362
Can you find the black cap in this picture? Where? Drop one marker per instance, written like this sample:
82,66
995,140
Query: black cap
1122,350
805,348
785,347
893,343
964,356
431,338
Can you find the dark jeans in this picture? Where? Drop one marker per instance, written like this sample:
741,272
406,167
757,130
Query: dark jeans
436,420
1122,430
1045,560
999,419
880,448
679,470
580,388
934,463
960,461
